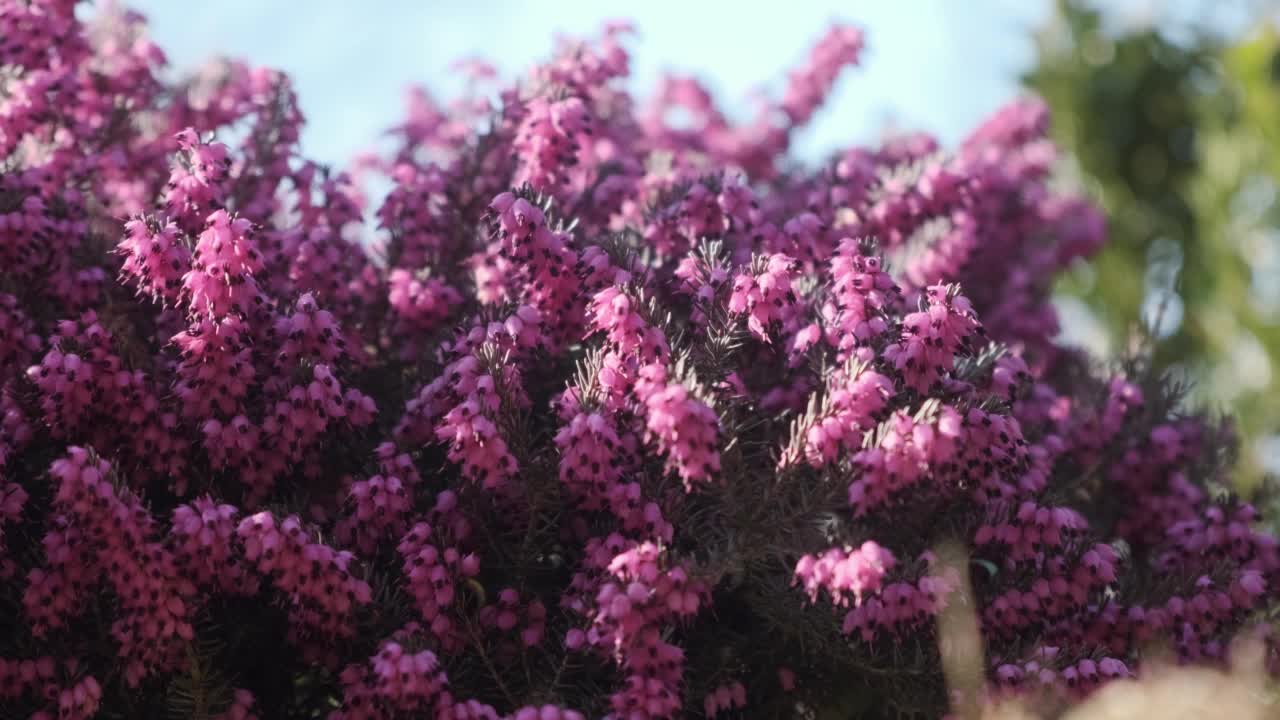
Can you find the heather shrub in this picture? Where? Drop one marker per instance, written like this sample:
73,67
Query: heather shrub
595,414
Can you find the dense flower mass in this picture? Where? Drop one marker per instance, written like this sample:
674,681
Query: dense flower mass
608,409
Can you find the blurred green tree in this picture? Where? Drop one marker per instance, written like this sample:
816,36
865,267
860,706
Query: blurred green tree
1174,130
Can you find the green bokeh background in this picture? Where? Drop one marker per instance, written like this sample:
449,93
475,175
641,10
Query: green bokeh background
1176,133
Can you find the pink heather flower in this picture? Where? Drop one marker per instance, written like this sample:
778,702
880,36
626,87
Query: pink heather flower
47,28
932,338
903,457
807,237
615,313
28,677
725,697
629,594
416,211
593,458
1008,375
221,279
393,680
421,304
1123,398
1112,668
197,184
541,261
845,574
702,278
786,679
315,580
309,333
1028,530
810,85
155,258
549,142
83,368
657,698
475,443
855,396
432,574
681,216
699,213
900,607
203,540
29,100
748,225
509,616
79,701
765,297
862,291
153,624
242,706
590,458
685,428
216,369
378,509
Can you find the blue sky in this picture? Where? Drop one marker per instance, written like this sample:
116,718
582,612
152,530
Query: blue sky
936,65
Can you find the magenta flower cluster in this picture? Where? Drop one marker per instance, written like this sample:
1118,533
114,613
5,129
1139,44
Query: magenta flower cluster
607,408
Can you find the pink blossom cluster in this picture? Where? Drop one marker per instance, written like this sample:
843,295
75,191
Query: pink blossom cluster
1027,530
810,84
378,508
904,606
765,297
475,440
1057,592
508,615
81,700
548,141
725,697
197,182
392,684
616,314
593,458
931,338
223,264
433,575
606,408
855,396
242,706
202,536
110,538
154,258
422,304
844,574
42,677
861,291
12,501
1073,678
317,582
684,427
630,597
